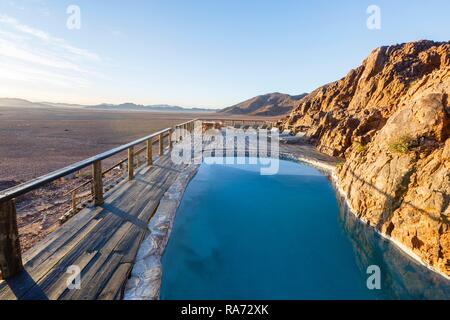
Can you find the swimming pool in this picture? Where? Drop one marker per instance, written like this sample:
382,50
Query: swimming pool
242,235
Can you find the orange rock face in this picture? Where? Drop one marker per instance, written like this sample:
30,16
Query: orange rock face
390,120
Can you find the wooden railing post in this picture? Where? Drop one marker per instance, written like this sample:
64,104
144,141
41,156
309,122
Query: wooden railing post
130,163
171,134
97,183
161,144
74,201
138,160
177,134
149,152
10,253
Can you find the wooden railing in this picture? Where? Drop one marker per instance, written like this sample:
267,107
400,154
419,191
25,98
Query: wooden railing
10,251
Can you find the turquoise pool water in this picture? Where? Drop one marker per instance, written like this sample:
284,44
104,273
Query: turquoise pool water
241,235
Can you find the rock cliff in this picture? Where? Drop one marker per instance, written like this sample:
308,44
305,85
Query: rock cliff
389,120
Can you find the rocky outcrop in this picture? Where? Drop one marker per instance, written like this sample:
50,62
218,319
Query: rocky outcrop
389,120
272,104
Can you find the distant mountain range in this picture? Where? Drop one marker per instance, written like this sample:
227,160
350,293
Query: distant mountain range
21,103
155,107
272,104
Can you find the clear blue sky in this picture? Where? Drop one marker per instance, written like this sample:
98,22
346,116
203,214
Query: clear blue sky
196,53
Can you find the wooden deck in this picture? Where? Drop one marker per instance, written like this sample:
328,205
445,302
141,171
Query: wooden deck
102,241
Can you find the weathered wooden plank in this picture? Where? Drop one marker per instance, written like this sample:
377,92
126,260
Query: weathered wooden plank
106,267
99,279
68,230
100,234
91,274
96,242
75,224
127,248
18,286
61,283
134,235
50,253
98,266
113,290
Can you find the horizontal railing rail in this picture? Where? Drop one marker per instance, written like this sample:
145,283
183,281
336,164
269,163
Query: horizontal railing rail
36,183
10,251
242,122
236,120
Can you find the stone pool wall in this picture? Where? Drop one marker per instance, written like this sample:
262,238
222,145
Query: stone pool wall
145,280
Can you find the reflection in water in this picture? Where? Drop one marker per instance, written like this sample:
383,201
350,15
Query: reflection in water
402,277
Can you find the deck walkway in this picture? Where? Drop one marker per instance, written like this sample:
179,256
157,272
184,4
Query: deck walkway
102,241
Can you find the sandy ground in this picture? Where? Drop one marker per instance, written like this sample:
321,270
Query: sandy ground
36,141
